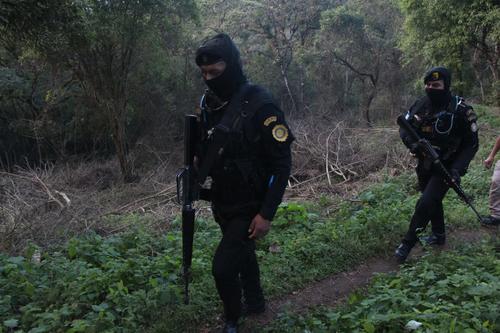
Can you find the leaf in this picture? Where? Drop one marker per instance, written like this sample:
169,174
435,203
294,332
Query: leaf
481,290
29,289
452,325
78,326
39,329
369,327
100,307
16,260
72,249
11,323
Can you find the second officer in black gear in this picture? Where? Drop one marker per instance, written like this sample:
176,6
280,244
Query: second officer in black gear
245,149
450,126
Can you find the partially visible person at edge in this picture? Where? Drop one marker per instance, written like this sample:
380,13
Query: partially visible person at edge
494,218
449,124
249,174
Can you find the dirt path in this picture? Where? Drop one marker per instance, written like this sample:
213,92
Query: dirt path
333,290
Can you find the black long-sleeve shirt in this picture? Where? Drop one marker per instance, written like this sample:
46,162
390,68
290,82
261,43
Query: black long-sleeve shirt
260,150
276,153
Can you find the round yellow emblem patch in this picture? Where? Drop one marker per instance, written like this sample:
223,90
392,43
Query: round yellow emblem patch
280,133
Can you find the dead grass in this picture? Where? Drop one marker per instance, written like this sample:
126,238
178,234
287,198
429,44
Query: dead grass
49,205
331,158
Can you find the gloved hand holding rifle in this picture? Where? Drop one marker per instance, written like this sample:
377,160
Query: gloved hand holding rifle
421,145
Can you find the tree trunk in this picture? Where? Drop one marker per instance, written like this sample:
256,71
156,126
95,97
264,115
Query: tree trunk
476,62
495,70
367,108
116,116
368,104
285,80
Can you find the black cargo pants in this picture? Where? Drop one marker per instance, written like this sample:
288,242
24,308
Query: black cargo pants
235,268
429,206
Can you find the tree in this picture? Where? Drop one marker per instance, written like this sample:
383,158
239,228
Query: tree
456,34
287,26
272,32
100,42
360,37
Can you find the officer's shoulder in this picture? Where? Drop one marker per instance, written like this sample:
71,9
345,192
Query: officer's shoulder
259,95
462,106
466,112
261,101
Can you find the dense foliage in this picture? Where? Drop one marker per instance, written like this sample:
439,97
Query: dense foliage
94,285
463,35
93,76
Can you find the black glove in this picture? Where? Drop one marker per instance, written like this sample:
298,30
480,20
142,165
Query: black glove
455,174
414,147
205,194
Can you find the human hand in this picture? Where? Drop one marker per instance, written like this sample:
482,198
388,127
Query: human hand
488,162
414,148
455,175
259,227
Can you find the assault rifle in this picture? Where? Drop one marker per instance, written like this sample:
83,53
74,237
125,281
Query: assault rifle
431,153
187,193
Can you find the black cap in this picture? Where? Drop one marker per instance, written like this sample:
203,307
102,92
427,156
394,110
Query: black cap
439,73
220,47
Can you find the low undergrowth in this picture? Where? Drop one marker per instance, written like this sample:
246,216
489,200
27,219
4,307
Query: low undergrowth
130,282
455,291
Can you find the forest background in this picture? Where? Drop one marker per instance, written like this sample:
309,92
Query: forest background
92,99
90,79
93,93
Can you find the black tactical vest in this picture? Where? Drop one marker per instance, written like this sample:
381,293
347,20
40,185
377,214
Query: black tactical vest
238,173
444,129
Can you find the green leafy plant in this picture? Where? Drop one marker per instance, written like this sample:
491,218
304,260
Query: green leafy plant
450,292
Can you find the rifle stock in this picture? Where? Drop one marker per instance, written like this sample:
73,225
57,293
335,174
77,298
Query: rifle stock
434,156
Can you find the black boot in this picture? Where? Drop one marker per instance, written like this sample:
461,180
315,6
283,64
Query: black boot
434,239
253,308
230,327
253,297
402,252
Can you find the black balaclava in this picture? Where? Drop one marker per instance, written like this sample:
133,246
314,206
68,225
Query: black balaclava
221,47
439,98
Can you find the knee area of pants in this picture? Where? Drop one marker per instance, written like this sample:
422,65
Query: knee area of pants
428,204
221,273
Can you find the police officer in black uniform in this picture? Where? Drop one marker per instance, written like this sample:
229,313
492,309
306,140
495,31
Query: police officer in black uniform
245,149
450,126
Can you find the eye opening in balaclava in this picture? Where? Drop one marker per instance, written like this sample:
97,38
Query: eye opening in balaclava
439,98
221,47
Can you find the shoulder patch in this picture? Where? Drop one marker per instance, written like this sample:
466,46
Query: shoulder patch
280,133
270,120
